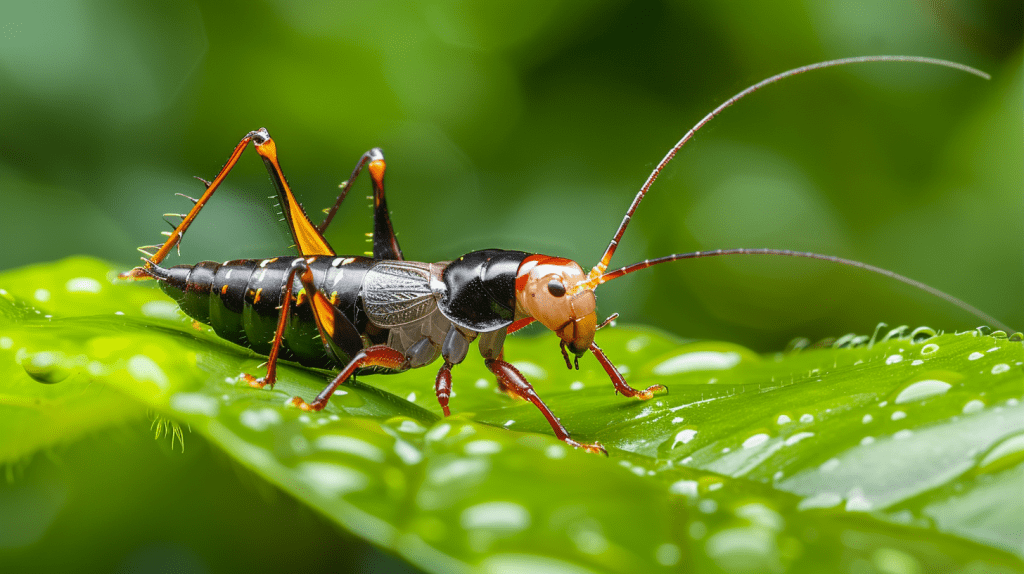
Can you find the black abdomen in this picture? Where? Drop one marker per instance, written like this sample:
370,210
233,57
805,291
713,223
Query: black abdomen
241,299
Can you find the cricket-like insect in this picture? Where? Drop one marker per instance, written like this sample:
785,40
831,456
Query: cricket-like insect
388,314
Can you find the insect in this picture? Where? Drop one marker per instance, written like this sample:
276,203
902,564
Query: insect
386,314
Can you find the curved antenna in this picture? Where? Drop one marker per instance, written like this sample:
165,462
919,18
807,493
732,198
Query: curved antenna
605,277
607,257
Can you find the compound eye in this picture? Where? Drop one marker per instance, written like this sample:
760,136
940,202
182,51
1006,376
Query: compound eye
556,288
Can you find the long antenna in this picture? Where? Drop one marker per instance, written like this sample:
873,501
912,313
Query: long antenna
607,257
605,277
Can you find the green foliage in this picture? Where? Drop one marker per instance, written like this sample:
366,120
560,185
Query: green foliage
895,454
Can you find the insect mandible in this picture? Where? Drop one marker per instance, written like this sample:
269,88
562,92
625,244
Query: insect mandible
383,313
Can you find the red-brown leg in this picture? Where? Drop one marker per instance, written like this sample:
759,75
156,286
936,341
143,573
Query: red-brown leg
376,356
443,386
620,384
512,381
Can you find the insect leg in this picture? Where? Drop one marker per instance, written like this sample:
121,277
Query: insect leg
282,322
385,244
179,232
453,350
308,238
376,356
620,384
516,384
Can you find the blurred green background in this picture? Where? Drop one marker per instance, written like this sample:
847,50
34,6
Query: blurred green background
522,126
530,126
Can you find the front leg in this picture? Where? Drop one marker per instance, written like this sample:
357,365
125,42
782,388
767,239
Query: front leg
514,383
621,386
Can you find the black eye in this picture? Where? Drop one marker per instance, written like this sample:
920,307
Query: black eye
556,288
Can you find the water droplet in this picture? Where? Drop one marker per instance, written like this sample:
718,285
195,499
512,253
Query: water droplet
892,561
867,440
903,434
331,479
677,420
407,453
195,403
783,419
1006,453
916,362
501,516
867,418
698,361
807,418
755,440
760,514
6,343
481,383
481,447
46,367
898,415
160,310
975,356
798,437
893,359
929,349
708,506
668,554
973,406
42,295
883,403
259,419
531,370
144,369
637,344
684,436
83,285
411,397
456,469
921,390
820,500
856,501
746,549
349,445
555,452
726,450
829,465
687,488
1000,368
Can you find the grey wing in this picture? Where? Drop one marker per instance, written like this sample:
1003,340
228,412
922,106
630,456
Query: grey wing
397,293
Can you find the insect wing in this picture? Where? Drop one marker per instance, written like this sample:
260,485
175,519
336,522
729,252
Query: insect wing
397,293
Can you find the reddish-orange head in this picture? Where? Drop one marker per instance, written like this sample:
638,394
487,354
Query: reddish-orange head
548,289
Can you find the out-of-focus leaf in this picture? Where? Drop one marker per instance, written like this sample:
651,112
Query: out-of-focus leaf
891,455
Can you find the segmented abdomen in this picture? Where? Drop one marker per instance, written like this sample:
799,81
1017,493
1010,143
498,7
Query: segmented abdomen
241,299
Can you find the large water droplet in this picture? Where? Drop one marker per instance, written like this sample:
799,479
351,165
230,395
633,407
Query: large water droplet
1006,453
46,367
921,390
697,361
684,436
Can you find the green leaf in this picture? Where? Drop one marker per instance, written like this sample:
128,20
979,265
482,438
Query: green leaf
900,453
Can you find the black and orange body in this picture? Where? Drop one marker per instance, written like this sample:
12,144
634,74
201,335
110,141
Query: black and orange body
383,313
